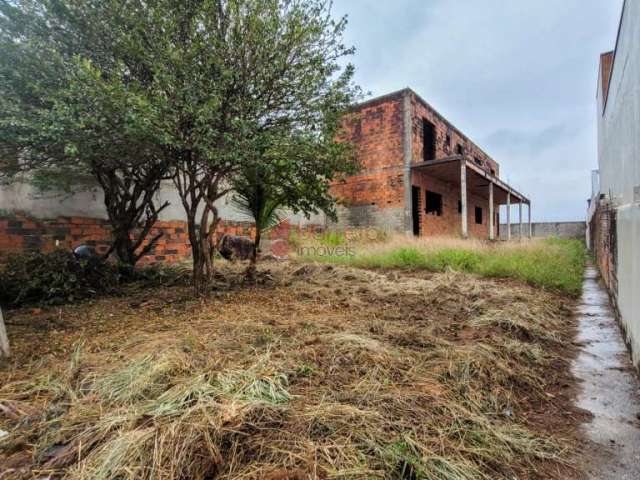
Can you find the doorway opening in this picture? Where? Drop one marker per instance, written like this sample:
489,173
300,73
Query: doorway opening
415,209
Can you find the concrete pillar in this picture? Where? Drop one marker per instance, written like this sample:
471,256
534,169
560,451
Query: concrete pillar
407,160
529,215
520,220
463,197
491,214
508,216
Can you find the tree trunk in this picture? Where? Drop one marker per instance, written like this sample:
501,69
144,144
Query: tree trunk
202,248
252,269
4,339
196,253
122,248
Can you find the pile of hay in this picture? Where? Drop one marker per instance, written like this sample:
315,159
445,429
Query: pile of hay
328,373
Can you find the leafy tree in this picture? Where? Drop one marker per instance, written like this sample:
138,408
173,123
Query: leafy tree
293,171
225,74
65,126
199,84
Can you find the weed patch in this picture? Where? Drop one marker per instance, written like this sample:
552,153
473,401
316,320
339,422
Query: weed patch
553,264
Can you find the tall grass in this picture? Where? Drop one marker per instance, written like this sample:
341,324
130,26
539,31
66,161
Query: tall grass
552,263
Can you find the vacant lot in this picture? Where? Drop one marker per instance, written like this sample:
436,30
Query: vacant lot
319,371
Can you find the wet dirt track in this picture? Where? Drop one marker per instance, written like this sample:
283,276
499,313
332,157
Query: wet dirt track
610,388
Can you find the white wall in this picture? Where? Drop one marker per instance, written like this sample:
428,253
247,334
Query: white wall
619,127
619,164
628,271
21,197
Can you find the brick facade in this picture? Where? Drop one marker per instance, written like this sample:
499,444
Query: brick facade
603,242
448,138
376,196
20,233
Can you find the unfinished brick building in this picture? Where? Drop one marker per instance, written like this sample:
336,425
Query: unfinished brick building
419,174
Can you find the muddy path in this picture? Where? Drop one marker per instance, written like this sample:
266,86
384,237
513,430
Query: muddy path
610,389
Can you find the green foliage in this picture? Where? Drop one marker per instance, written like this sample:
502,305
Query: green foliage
52,278
66,126
332,239
555,264
119,93
57,277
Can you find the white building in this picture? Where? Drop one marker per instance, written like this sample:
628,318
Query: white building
615,207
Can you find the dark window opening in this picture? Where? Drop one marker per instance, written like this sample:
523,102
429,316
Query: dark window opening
493,172
477,161
459,206
479,215
428,140
459,149
433,204
447,142
415,209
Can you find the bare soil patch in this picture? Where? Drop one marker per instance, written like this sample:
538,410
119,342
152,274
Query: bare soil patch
315,372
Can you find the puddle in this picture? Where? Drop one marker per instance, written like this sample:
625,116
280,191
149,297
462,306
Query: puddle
610,388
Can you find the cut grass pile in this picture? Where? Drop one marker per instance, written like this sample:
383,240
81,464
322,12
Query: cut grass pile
553,263
327,372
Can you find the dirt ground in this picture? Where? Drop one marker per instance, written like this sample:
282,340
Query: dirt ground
314,372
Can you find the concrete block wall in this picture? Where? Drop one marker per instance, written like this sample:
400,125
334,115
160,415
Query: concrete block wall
388,219
568,230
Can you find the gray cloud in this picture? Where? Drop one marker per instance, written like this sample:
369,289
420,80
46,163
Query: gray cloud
518,77
531,142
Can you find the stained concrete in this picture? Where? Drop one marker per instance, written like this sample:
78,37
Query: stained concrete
610,389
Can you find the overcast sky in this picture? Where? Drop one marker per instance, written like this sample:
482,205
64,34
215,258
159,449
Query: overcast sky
517,76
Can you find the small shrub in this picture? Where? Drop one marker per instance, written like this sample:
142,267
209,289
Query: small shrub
52,278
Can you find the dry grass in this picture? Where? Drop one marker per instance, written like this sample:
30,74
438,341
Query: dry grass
322,372
551,263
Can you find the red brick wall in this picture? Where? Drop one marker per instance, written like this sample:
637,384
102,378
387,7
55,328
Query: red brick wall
603,241
19,233
449,223
443,128
375,196
376,132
